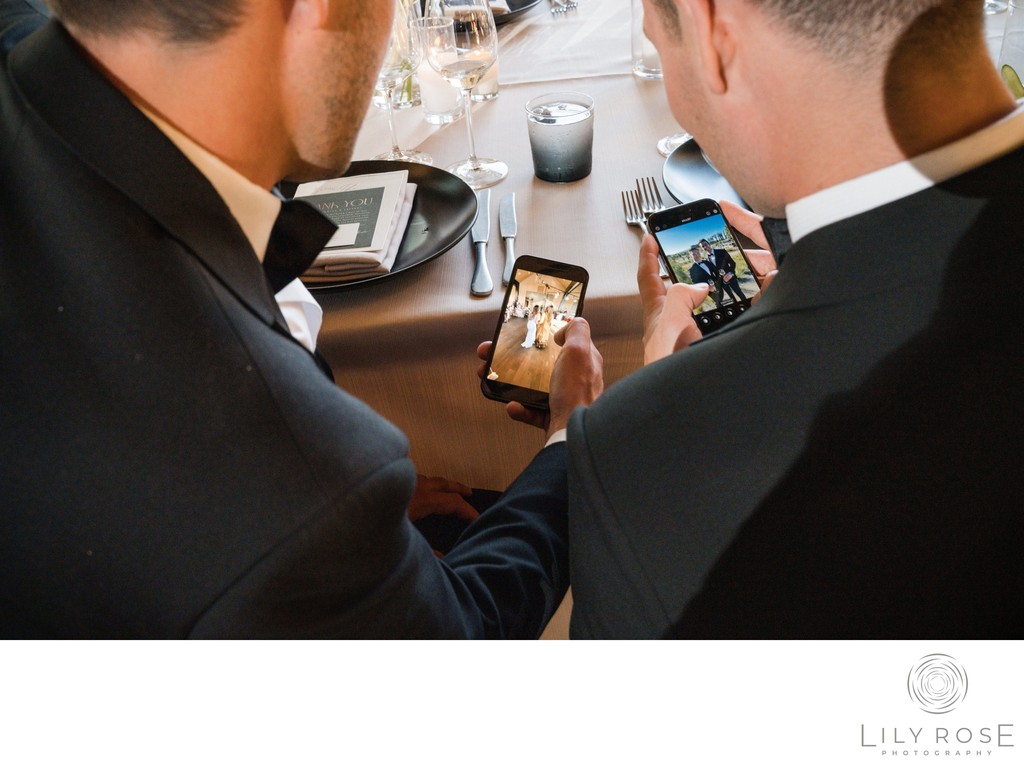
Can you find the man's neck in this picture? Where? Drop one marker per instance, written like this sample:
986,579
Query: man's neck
862,122
895,182
200,90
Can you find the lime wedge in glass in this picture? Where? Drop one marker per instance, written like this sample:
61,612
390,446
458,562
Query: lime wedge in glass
1013,80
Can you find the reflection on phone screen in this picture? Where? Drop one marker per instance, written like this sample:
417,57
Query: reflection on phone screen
703,251
538,306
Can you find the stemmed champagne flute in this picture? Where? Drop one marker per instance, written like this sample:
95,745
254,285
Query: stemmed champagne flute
460,43
400,62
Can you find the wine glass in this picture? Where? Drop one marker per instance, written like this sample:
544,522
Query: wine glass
460,43
400,62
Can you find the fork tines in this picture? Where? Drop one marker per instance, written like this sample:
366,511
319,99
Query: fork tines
649,196
631,209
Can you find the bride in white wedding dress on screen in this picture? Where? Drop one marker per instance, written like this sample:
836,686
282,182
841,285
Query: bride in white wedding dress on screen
531,327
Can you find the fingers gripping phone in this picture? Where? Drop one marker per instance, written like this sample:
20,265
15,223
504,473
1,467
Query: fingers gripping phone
699,247
541,298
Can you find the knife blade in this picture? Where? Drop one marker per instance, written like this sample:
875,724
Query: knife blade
481,232
507,223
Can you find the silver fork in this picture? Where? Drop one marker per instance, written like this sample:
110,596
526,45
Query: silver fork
649,196
563,6
635,216
632,210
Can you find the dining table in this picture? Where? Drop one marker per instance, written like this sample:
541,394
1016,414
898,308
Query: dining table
406,344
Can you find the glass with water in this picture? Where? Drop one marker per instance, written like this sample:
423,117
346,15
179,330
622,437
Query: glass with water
645,59
561,129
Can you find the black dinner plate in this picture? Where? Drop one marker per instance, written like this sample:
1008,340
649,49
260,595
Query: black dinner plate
515,7
689,177
443,211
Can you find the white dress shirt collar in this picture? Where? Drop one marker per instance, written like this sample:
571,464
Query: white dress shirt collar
253,207
895,182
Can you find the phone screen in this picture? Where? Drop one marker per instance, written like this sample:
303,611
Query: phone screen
541,298
699,248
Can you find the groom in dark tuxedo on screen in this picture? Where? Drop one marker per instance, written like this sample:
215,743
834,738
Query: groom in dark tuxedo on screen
702,272
725,267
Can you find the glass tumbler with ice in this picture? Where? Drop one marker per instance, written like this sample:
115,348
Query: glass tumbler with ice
561,129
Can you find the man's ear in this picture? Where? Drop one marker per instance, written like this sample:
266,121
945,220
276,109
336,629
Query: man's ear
714,39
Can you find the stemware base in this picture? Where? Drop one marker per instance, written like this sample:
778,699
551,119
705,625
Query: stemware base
481,173
407,155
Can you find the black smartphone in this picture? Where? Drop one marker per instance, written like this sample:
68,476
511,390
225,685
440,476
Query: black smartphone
698,247
541,298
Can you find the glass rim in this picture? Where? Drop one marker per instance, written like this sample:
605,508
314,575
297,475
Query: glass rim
572,96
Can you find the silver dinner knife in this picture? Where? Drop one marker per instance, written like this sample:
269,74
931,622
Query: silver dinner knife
481,231
507,223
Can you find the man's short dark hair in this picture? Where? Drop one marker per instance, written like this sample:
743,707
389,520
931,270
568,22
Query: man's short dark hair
182,21
847,28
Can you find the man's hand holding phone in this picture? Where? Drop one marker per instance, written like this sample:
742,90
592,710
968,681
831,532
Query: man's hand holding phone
749,224
668,311
542,299
669,322
577,379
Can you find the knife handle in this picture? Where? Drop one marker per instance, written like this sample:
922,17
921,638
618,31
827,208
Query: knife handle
481,284
510,258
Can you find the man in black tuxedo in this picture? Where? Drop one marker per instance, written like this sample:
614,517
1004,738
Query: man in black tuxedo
865,477
726,268
175,461
702,272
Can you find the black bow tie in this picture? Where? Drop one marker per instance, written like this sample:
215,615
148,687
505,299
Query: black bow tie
299,234
777,232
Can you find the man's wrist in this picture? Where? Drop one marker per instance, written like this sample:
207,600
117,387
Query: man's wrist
556,436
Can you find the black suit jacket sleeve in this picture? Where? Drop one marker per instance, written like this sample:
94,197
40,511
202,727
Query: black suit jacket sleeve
377,578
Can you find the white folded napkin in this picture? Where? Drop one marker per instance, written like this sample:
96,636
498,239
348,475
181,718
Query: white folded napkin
341,264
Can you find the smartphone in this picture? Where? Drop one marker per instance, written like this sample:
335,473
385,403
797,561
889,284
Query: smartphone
541,298
698,247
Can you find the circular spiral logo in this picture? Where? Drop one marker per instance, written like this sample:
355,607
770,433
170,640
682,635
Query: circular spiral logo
937,683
